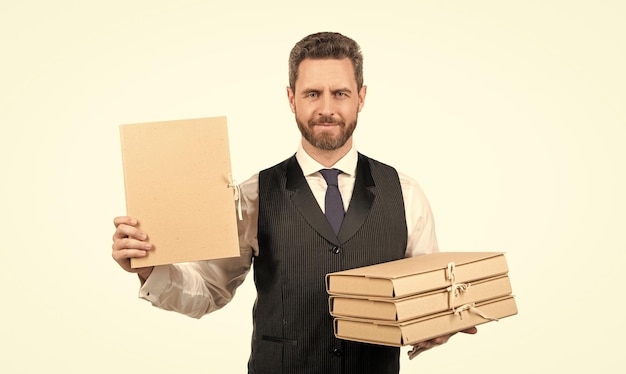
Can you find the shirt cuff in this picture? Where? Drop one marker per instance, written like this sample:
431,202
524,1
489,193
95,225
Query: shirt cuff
155,284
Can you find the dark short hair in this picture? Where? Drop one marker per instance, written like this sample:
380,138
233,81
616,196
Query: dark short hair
326,45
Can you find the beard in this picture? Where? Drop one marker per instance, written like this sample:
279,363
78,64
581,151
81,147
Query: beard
326,140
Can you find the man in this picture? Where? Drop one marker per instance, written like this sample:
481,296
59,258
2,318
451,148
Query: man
285,236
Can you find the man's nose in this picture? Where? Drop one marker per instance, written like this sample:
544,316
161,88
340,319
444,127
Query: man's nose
327,107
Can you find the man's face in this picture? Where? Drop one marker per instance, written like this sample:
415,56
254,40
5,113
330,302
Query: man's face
326,102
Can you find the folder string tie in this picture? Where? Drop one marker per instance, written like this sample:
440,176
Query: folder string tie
237,191
454,289
471,308
428,344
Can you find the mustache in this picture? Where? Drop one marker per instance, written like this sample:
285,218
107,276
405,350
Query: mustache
324,119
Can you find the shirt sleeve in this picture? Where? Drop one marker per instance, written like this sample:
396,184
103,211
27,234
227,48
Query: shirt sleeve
421,237
199,288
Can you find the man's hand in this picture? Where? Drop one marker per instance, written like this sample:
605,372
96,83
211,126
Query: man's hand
428,344
130,242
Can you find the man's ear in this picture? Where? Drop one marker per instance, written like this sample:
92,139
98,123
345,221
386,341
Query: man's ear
292,99
362,94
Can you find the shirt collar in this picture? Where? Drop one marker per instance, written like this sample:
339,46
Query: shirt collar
347,164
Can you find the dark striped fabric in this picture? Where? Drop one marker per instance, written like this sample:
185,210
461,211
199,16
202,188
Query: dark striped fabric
293,331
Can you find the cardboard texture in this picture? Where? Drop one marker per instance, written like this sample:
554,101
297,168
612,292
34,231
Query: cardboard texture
399,310
176,179
425,328
415,275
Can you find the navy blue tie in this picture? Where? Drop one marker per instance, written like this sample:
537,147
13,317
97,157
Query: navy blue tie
333,205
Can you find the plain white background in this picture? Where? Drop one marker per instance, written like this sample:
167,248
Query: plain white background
509,114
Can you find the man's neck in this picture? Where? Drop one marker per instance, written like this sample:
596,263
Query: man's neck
325,157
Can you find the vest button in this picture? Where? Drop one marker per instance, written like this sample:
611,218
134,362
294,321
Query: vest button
336,250
337,352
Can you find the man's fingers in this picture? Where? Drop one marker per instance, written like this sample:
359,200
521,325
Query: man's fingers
428,344
125,231
471,330
127,227
124,254
130,243
124,220
441,339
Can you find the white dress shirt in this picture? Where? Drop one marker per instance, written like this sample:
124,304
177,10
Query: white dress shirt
198,288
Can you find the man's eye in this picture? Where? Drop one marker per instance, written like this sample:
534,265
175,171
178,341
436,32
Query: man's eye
312,94
342,94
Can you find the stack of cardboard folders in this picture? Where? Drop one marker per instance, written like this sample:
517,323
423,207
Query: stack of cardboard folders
415,299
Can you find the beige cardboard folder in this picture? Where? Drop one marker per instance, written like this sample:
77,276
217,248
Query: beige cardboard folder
414,275
428,327
176,178
419,305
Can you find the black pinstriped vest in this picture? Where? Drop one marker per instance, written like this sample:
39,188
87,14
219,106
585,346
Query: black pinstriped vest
293,331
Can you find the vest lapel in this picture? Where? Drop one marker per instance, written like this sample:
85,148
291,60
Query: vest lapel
360,204
361,201
305,202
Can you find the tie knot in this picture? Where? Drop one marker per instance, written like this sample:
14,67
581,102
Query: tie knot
330,175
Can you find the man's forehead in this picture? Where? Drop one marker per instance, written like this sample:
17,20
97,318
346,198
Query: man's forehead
335,72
